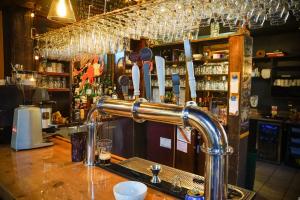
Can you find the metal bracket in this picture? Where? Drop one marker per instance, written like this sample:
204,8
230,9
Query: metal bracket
135,107
223,151
185,113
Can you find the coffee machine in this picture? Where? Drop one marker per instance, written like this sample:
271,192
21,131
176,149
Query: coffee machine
41,98
27,122
27,125
27,128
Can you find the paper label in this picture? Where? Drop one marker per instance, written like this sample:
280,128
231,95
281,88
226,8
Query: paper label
183,134
234,82
165,142
182,146
234,105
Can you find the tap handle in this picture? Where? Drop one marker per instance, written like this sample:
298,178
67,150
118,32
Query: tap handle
136,80
190,68
147,81
160,70
176,86
124,82
146,56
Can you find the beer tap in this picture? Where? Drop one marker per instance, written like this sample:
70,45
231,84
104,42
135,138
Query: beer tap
190,68
146,56
176,86
134,57
160,70
124,82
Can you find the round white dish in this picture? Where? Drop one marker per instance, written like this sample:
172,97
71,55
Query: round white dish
130,190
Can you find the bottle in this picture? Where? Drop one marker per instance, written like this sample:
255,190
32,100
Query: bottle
200,102
88,89
114,94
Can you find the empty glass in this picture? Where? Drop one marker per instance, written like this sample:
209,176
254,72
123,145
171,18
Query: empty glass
159,21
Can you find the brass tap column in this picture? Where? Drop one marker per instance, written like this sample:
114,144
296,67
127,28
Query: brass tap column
215,139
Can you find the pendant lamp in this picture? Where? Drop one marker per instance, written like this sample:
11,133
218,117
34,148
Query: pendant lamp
61,11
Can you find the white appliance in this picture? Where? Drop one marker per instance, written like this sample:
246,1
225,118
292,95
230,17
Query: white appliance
27,128
46,117
46,113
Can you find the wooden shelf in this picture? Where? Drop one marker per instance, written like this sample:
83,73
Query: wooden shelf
168,87
54,74
58,90
207,38
211,74
216,60
225,91
197,61
276,58
169,75
175,62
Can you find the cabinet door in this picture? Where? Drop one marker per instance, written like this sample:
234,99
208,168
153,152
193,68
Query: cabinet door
191,160
293,145
160,143
269,141
120,131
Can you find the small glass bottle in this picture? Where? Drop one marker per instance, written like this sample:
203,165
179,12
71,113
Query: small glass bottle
114,94
64,82
51,82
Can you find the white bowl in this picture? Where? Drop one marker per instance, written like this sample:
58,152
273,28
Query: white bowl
130,190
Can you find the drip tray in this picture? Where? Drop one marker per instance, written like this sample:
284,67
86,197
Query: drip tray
138,169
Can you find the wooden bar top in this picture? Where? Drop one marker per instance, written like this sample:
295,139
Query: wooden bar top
48,173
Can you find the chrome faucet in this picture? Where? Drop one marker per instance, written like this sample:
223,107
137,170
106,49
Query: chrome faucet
215,139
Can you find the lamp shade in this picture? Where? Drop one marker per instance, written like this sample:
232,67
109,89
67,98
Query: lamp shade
61,11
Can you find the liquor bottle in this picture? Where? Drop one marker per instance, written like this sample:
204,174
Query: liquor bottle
200,103
114,94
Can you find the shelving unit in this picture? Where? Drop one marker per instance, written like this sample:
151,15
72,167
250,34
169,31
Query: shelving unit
61,95
58,90
55,74
207,47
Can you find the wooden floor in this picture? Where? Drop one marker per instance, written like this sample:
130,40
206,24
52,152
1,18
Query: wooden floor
276,182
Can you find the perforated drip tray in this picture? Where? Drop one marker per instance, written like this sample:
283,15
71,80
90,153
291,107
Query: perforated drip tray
138,169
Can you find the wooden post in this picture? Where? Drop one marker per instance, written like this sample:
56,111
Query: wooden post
18,45
1,48
240,62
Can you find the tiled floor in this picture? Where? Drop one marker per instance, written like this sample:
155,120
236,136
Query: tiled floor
276,182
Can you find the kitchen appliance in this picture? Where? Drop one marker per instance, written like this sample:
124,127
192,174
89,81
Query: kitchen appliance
269,141
41,98
27,124
27,128
46,113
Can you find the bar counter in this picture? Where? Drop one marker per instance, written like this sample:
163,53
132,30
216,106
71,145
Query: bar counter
48,173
